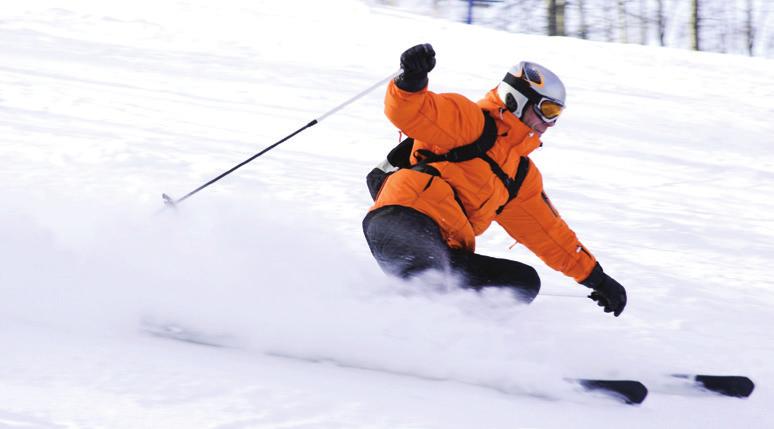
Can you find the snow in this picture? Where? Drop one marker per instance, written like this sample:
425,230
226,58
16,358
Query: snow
661,163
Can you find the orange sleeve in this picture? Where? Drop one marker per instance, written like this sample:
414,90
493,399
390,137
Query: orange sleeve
535,223
442,120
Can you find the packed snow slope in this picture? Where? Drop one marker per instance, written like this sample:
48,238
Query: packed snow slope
662,163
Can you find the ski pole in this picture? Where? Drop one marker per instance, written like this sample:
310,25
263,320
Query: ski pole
558,295
171,202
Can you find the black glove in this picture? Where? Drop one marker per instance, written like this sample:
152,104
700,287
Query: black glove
608,293
416,62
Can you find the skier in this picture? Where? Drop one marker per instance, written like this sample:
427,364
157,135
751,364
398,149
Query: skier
465,165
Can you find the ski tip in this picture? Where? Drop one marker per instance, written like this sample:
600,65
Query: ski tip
631,392
736,386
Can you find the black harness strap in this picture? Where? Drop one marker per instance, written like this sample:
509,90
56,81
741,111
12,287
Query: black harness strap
514,185
469,151
478,149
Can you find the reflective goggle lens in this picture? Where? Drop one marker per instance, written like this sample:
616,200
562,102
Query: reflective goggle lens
550,110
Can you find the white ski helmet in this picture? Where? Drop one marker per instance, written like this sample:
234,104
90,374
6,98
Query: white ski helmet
530,83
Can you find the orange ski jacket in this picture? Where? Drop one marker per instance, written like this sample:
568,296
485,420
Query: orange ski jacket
464,199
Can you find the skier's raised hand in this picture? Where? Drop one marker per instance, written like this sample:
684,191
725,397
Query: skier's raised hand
416,62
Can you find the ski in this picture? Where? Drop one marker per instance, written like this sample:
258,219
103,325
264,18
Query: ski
735,386
626,391
630,392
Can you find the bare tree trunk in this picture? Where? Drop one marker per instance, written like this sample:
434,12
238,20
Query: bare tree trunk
584,26
661,22
551,17
695,25
750,28
560,21
556,25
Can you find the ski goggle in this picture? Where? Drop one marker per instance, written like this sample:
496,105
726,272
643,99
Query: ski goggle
547,109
